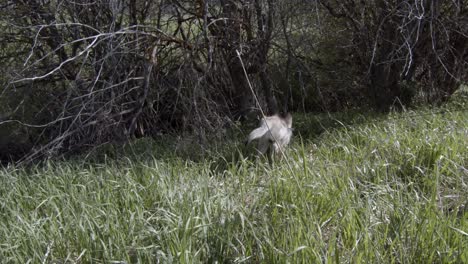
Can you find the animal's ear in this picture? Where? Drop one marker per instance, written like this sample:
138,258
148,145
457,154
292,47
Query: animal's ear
288,119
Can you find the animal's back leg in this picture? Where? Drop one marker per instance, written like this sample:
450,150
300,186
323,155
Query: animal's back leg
262,146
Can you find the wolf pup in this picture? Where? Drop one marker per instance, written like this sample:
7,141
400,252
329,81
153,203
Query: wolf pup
273,134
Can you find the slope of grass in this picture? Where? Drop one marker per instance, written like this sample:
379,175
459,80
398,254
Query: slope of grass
386,189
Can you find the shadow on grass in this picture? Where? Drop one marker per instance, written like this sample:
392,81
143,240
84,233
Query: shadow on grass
225,148
310,126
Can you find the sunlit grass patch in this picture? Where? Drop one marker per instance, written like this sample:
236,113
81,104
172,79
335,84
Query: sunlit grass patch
376,189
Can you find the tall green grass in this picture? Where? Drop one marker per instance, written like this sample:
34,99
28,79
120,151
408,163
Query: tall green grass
353,189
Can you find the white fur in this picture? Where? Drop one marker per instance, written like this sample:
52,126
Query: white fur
274,132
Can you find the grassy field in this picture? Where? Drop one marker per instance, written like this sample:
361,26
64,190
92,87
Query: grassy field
353,189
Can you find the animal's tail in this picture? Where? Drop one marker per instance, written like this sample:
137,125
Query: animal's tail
257,133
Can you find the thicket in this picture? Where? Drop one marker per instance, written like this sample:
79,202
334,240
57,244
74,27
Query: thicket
77,75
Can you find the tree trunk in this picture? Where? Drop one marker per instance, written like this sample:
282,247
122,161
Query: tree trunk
231,32
271,100
384,88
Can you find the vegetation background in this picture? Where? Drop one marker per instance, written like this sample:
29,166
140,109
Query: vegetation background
77,75
121,125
